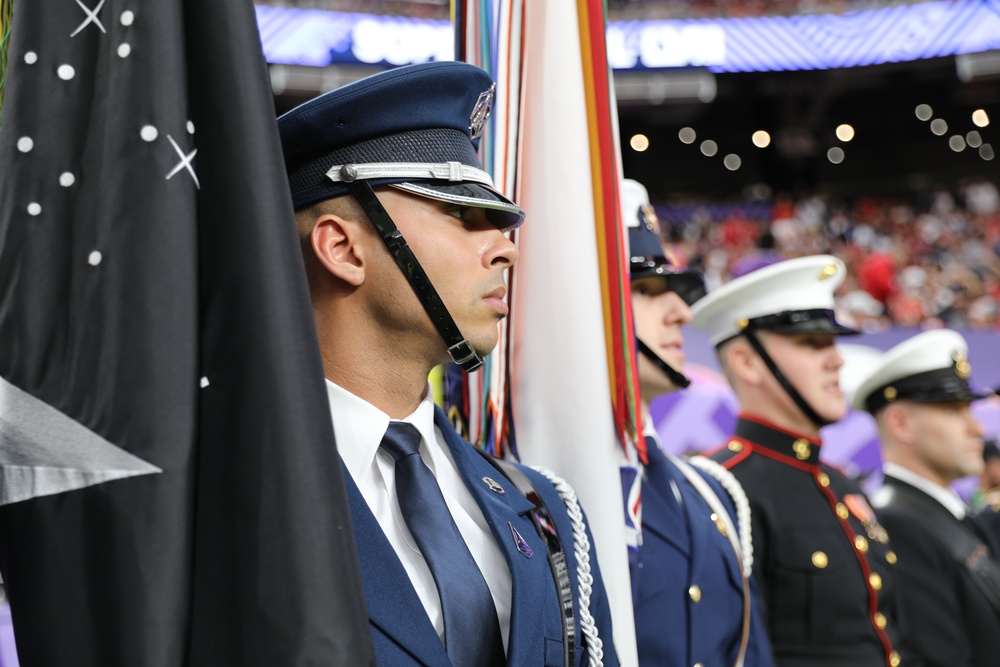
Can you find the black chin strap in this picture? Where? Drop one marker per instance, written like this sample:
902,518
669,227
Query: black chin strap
807,409
682,381
458,347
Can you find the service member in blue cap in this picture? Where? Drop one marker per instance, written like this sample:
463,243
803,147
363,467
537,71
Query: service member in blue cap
403,237
694,599
820,555
949,576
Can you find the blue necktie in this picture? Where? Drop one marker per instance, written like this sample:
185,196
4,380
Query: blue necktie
471,629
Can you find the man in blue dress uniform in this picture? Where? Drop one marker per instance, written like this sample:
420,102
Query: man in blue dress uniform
404,245
949,574
822,559
694,601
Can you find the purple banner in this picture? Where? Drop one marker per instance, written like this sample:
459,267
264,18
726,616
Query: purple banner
8,653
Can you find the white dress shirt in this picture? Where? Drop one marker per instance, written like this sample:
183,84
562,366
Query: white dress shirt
946,496
359,426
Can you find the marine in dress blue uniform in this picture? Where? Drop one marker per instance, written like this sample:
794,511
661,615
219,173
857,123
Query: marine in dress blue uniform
693,602
823,562
949,577
388,190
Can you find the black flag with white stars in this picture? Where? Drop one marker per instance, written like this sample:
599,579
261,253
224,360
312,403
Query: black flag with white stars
170,491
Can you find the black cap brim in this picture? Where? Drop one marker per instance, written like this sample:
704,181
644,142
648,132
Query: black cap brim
941,385
819,320
502,212
687,284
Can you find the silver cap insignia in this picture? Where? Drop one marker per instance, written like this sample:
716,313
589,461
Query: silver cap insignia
481,112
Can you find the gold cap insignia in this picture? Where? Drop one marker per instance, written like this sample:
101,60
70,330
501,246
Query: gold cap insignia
890,393
963,368
742,323
828,271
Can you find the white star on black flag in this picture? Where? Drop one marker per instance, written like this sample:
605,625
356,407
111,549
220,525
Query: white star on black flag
170,489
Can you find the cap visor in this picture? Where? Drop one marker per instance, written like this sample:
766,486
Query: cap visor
685,283
824,326
944,396
502,212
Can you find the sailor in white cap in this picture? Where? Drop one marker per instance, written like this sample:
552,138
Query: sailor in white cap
819,553
949,577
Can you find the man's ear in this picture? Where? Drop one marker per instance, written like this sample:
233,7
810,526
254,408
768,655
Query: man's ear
897,421
336,243
743,362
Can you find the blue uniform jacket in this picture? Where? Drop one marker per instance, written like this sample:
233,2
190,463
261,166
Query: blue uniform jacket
676,624
402,632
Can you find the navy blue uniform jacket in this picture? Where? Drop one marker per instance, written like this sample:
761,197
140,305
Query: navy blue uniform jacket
682,548
403,634
949,621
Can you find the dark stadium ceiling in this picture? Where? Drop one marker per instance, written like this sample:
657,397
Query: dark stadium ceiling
891,148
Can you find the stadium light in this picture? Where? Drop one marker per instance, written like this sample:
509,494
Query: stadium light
687,135
845,132
761,139
980,118
639,142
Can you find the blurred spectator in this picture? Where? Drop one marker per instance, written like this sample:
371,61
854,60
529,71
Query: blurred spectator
928,259
861,310
762,256
877,276
983,313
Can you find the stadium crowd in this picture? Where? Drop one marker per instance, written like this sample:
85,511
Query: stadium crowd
929,259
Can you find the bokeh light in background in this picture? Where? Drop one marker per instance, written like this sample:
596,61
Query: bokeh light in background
687,135
761,139
845,132
639,142
980,118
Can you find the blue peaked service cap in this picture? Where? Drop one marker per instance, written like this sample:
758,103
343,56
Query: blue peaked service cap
647,256
416,128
